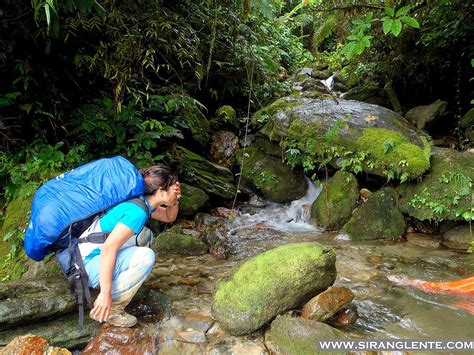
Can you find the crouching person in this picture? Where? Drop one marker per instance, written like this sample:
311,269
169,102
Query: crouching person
120,265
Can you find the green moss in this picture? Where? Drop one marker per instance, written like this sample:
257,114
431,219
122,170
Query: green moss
263,115
275,179
467,120
227,114
175,243
198,124
272,283
334,205
393,153
192,200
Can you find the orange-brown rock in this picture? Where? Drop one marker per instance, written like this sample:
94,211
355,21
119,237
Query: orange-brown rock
344,317
31,345
327,303
117,340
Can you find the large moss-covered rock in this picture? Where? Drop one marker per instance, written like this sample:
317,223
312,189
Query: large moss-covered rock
197,124
378,218
192,199
334,205
362,136
264,114
214,179
176,243
270,175
297,336
445,189
272,283
421,115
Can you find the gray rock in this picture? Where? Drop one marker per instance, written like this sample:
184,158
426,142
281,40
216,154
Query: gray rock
223,146
423,240
422,115
459,238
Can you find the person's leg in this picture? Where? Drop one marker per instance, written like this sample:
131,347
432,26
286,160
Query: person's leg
132,267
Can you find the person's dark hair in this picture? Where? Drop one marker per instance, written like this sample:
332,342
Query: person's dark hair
158,176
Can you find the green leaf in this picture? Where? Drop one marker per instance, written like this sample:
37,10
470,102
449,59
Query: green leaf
410,21
389,11
403,11
396,28
359,47
387,25
48,15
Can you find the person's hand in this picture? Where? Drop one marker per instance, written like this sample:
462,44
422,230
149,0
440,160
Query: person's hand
102,306
174,194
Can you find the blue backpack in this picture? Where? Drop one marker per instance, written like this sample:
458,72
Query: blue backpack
64,207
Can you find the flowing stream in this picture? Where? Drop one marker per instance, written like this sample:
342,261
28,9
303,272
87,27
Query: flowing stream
386,309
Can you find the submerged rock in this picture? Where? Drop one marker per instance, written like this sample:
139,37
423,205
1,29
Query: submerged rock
423,240
272,283
270,175
459,237
289,335
344,317
378,218
446,189
176,243
214,179
365,137
421,115
327,303
334,205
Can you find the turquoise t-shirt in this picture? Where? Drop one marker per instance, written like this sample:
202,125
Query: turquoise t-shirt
128,213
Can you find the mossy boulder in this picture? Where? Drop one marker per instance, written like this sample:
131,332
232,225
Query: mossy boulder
421,115
350,76
367,92
14,225
197,124
334,205
195,170
446,188
272,283
269,174
227,114
266,113
176,243
378,218
358,136
193,198
467,120
297,336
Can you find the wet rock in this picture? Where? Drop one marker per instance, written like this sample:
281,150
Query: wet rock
367,92
237,345
54,330
192,199
224,212
26,301
458,238
339,87
375,260
302,74
175,243
218,244
344,317
289,335
109,339
193,169
349,76
191,336
320,74
224,144
365,194
270,175
445,189
378,218
197,321
204,221
423,240
421,115
334,205
175,347
31,344
314,85
326,304
192,232
272,283
149,305
384,136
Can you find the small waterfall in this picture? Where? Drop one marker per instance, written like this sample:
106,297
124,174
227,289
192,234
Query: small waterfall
284,217
329,82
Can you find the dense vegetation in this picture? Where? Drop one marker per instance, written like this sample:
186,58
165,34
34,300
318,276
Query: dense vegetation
82,79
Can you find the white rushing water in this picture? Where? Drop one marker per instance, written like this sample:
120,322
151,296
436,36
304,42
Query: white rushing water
293,217
329,82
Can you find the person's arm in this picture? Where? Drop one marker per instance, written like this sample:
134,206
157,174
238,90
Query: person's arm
119,235
166,214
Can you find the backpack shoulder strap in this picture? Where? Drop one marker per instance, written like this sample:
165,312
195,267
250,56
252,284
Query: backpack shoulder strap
142,203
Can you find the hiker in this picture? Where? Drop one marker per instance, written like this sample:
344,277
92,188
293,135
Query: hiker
121,264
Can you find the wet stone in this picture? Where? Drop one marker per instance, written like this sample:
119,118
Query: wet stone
423,240
191,336
32,344
344,317
109,339
327,303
